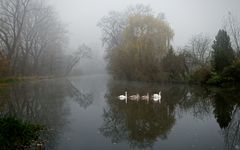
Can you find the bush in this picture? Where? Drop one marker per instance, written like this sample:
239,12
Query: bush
201,75
16,134
232,73
216,79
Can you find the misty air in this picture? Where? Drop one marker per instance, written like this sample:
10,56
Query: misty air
122,75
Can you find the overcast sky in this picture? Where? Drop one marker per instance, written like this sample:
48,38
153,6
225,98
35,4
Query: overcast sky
186,17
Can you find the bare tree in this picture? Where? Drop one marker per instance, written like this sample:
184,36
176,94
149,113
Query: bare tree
232,25
199,50
31,37
48,40
13,14
112,27
82,52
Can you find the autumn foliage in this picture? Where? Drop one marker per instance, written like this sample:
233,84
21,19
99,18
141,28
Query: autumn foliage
136,43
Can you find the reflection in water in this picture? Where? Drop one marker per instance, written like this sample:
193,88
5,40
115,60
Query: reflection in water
197,101
232,132
141,124
227,101
222,110
42,102
83,99
138,123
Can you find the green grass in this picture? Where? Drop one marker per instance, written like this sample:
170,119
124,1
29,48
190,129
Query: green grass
17,134
9,80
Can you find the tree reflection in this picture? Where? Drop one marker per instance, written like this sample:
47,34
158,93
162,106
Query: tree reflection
227,113
198,101
83,99
139,123
232,132
224,104
42,102
222,110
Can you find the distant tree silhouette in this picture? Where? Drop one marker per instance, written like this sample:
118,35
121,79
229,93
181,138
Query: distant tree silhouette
223,54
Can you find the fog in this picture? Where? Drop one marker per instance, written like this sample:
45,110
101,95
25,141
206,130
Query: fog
186,17
70,67
38,43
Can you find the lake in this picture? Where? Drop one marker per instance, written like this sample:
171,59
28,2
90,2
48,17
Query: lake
84,113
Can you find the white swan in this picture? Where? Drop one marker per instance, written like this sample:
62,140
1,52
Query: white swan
123,97
134,97
157,97
145,97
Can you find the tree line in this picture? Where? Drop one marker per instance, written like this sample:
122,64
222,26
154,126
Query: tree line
138,47
33,40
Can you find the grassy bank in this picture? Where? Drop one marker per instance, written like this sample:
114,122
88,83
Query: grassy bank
9,80
18,134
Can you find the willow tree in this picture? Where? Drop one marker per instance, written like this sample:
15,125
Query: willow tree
136,42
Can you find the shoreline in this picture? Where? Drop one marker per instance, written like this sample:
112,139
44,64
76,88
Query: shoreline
11,80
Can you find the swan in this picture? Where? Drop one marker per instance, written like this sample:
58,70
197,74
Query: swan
134,97
157,97
123,97
145,97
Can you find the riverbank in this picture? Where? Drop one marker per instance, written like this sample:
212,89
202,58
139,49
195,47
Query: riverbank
18,134
10,80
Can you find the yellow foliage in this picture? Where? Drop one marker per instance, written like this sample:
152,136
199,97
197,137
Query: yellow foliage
137,41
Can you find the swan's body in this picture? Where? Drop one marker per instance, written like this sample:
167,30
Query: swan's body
145,97
134,97
123,97
157,97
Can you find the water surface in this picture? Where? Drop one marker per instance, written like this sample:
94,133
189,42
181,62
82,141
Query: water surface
84,113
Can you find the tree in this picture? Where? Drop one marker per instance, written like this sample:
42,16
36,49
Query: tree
233,28
13,15
31,37
82,52
4,65
223,54
136,42
43,39
174,66
199,50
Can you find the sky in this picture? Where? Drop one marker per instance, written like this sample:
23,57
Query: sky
186,17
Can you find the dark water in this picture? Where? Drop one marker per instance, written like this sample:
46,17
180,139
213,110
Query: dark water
83,113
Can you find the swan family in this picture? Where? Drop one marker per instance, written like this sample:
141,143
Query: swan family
137,97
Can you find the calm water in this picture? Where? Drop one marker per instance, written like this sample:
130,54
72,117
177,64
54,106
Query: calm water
84,113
